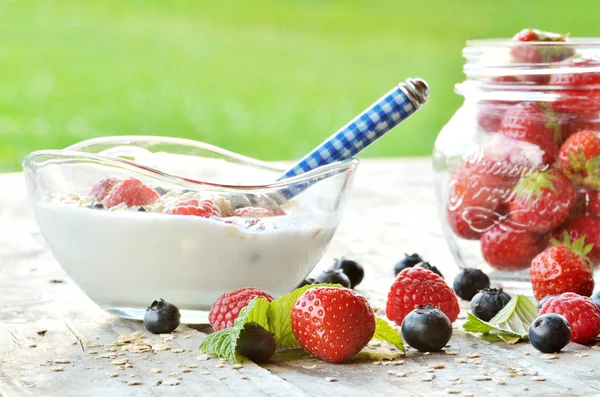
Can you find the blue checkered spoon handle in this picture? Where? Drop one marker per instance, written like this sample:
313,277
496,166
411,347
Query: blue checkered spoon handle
389,111
379,118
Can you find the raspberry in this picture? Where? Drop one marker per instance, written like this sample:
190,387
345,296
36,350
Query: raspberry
203,208
226,308
102,188
416,286
131,192
581,313
252,212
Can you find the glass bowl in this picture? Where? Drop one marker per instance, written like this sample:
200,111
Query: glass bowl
508,175
124,257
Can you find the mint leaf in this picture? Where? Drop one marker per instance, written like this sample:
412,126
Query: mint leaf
511,324
224,342
384,332
279,312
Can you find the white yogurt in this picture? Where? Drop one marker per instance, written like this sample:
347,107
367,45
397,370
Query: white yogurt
128,259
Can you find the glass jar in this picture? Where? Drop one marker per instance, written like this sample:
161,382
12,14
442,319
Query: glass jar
519,162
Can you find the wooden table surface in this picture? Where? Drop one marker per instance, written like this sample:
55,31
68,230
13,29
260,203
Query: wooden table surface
55,342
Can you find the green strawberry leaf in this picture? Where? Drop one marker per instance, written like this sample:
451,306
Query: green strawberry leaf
511,324
384,332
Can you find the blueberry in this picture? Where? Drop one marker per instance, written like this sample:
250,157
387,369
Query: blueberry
595,298
549,333
256,343
306,281
488,302
333,277
426,329
407,261
161,191
470,281
427,265
544,300
96,206
352,269
161,317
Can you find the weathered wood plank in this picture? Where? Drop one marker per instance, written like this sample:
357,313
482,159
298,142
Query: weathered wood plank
391,211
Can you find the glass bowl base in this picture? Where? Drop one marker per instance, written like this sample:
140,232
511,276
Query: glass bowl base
187,316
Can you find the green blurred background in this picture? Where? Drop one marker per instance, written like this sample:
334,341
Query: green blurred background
266,78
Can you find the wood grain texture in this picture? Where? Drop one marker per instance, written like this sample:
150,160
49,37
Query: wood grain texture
390,212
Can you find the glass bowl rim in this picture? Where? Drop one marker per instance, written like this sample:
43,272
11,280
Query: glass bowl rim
72,152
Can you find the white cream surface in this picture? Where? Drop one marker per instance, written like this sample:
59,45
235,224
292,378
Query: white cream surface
128,258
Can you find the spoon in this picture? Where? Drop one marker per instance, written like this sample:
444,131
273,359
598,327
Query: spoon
382,116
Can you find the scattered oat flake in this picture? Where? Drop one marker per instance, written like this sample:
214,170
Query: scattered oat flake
538,378
532,373
237,366
180,365
42,332
460,360
468,395
437,366
328,379
429,370
549,357
204,373
428,377
113,375
192,366
156,370
311,367
426,353
376,362
500,381
390,372
202,357
187,336
403,374
582,354
122,361
92,352
32,345
244,377
472,355
172,374
171,382
525,388
596,347
62,361
220,366
134,383
513,367
482,378
186,370
58,369
453,391
177,350
451,352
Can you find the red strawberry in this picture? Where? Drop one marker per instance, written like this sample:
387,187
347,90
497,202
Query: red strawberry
226,308
252,212
332,323
131,192
541,201
581,313
506,249
559,269
202,208
477,189
579,158
581,95
539,47
536,123
102,188
584,227
539,53
416,286
594,204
